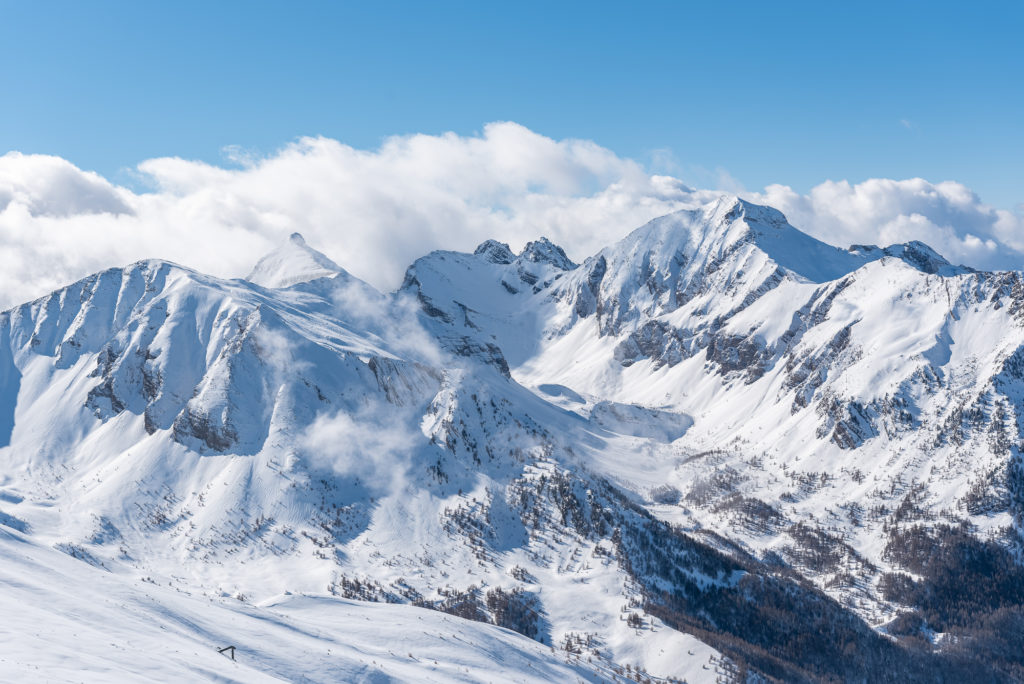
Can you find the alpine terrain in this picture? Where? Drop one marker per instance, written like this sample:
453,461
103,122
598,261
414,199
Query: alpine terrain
717,450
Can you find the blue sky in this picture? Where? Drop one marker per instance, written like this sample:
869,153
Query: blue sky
792,93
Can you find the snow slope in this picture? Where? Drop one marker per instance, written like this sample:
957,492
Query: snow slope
65,621
232,440
292,263
674,456
822,383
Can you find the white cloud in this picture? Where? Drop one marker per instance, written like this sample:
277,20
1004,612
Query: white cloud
50,186
375,445
948,216
374,212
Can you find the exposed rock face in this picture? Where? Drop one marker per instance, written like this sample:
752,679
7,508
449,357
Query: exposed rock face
543,251
495,252
743,436
655,340
207,367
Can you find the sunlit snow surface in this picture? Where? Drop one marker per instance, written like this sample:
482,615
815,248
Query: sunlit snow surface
192,462
66,621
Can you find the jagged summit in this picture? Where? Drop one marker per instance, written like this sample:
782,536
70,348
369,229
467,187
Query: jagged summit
495,252
797,251
916,253
292,263
545,251
817,420
710,234
540,251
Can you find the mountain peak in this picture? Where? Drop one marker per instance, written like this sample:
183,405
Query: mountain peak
292,263
731,207
543,250
915,253
704,236
729,221
495,252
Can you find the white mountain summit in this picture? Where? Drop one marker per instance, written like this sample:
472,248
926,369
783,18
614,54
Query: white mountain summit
292,263
716,447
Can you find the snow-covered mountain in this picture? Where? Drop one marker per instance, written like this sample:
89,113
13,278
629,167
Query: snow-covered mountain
716,448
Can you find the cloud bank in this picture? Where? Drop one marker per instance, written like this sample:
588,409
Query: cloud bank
375,211
947,216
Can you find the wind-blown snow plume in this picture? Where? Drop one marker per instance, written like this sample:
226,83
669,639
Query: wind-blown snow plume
716,433
393,319
376,211
373,446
